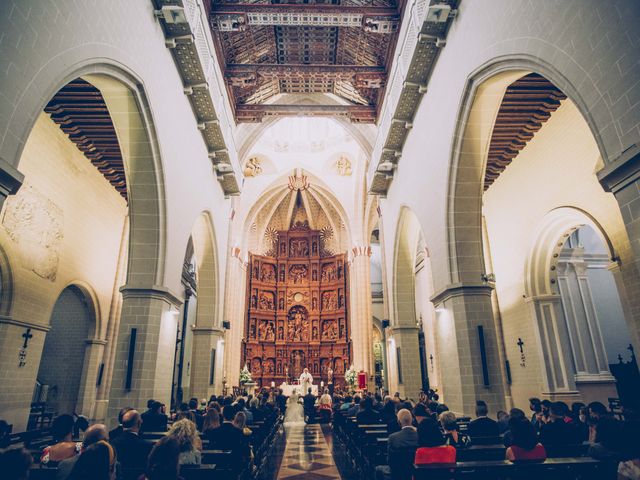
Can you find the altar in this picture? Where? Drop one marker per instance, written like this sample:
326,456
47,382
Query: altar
287,389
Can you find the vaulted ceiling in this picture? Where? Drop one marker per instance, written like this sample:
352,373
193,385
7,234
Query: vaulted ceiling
335,52
527,104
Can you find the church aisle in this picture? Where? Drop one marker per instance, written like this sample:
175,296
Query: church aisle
307,455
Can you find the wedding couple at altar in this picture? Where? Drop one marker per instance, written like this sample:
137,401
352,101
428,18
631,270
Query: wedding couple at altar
297,410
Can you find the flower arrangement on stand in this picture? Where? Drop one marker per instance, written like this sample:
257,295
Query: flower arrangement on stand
245,375
351,376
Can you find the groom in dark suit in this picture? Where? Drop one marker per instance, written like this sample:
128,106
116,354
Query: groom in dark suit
309,406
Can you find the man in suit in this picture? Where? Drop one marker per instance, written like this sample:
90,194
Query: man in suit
131,449
401,449
309,406
367,415
228,437
93,434
281,401
116,432
482,426
153,420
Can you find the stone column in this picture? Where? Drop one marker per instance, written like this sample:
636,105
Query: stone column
154,313
462,308
207,343
554,344
93,354
407,374
234,313
361,321
622,178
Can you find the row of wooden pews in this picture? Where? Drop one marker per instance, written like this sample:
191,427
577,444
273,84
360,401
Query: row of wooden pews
365,448
216,464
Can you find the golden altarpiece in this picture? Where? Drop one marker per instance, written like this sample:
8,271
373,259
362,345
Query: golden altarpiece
297,314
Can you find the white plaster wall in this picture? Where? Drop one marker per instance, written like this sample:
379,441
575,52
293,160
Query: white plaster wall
555,169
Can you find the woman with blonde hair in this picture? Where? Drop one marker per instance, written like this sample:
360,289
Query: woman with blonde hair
240,421
211,420
452,434
185,433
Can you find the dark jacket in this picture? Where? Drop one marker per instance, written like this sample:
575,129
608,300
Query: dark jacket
483,427
309,403
401,450
367,417
153,422
229,437
557,432
131,450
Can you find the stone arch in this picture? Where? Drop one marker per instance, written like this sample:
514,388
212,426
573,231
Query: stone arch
204,249
6,284
67,366
540,276
96,331
478,109
131,114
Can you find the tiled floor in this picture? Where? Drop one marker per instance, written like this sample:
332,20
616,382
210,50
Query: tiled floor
307,455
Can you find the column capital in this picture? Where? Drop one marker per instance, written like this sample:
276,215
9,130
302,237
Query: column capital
155,291
361,250
461,289
10,180
207,330
622,171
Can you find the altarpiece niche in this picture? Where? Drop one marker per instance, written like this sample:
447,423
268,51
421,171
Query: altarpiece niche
297,314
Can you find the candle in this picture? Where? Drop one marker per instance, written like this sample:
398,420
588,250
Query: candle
273,384
322,384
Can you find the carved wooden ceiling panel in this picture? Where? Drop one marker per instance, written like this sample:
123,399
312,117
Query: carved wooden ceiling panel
81,112
527,104
339,47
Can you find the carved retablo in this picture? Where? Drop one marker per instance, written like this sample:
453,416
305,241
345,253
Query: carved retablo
297,310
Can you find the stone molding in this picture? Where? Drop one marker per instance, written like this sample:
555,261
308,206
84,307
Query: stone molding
461,289
20,323
156,291
622,171
95,341
207,330
403,328
10,180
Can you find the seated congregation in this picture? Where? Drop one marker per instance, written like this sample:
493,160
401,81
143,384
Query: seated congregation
395,439
224,438
374,436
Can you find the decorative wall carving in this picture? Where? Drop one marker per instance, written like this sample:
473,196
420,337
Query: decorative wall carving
36,224
301,320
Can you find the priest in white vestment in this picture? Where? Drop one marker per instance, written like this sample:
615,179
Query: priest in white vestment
306,380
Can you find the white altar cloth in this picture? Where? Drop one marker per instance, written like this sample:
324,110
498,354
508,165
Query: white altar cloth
288,389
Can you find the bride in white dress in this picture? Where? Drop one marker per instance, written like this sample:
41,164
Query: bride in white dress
295,411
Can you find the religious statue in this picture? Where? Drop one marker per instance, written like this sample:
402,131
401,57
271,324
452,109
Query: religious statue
252,168
329,301
299,248
256,369
254,301
270,333
252,333
298,325
266,301
314,335
329,330
268,273
344,166
314,303
280,333
298,273
328,273
286,373
306,380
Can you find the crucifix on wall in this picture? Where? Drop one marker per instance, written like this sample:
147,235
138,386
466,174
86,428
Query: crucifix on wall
523,359
22,353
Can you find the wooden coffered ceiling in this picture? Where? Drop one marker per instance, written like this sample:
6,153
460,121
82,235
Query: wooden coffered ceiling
527,104
305,48
81,112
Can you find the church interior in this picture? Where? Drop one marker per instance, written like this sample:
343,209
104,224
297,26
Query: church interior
240,211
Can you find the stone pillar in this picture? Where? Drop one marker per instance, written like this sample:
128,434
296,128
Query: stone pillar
406,363
15,396
154,313
361,321
207,343
462,308
622,178
554,344
93,354
235,293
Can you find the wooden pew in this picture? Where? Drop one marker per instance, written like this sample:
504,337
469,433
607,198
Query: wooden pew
551,469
